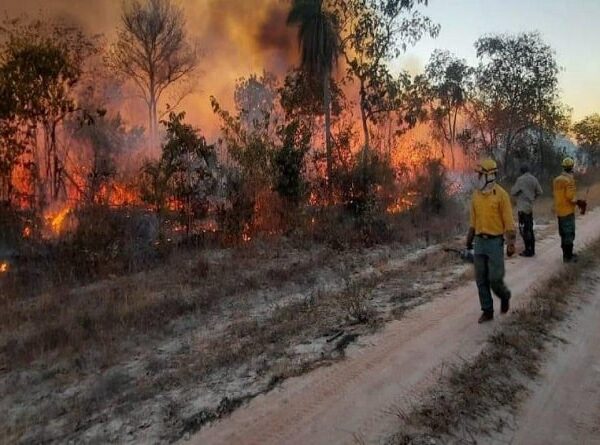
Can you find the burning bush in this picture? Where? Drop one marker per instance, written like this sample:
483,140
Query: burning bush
105,241
367,185
235,217
432,184
184,177
113,240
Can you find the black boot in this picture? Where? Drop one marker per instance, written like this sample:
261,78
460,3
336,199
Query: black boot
568,255
504,305
486,316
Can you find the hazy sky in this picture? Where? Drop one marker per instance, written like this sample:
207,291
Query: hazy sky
569,26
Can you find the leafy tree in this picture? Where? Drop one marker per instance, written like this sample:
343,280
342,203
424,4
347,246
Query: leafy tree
268,147
302,104
288,163
14,141
318,36
516,91
449,81
107,138
41,65
250,134
374,32
300,98
587,134
254,98
183,176
153,51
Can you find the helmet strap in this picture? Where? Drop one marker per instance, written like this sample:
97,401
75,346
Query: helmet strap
489,179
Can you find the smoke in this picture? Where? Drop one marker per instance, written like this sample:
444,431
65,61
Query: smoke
236,38
277,38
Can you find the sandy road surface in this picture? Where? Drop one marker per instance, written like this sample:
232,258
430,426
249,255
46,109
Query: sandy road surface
354,398
564,408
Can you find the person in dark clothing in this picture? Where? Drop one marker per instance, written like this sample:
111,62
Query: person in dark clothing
526,190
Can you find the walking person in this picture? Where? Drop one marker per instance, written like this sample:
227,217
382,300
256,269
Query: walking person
526,190
491,222
565,203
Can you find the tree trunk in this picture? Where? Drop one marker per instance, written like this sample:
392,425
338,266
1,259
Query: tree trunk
150,125
328,142
453,136
153,124
55,163
365,125
152,94
507,149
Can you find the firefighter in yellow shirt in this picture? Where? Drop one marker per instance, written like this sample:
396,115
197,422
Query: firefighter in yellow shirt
491,222
565,203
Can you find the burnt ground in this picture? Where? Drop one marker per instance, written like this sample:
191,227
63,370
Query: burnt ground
152,357
247,319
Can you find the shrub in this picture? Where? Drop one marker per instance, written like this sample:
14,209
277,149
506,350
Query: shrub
432,184
235,217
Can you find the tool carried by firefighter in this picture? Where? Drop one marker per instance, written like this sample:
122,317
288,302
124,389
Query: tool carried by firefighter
464,254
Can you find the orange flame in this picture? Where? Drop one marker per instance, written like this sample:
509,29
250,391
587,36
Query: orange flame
4,267
403,203
56,222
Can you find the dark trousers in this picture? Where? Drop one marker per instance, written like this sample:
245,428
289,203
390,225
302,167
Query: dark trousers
526,230
489,271
566,230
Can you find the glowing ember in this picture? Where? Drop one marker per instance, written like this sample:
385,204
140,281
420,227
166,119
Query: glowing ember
403,203
4,267
118,195
27,232
209,225
57,222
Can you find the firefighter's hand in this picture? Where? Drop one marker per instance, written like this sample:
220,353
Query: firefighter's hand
510,249
470,237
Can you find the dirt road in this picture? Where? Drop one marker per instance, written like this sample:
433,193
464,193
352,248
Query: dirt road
564,408
356,398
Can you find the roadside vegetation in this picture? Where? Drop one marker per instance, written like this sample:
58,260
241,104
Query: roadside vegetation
146,263
474,398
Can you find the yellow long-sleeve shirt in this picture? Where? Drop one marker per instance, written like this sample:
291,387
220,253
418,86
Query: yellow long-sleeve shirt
491,213
564,194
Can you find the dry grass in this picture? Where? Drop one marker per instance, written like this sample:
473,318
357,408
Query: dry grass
69,321
465,399
354,302
196,289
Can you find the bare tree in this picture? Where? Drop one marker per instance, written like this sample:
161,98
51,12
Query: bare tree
152,50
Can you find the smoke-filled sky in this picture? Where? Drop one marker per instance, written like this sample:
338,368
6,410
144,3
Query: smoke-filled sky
240,37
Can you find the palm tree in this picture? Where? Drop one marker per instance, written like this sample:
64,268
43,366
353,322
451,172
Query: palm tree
318,37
